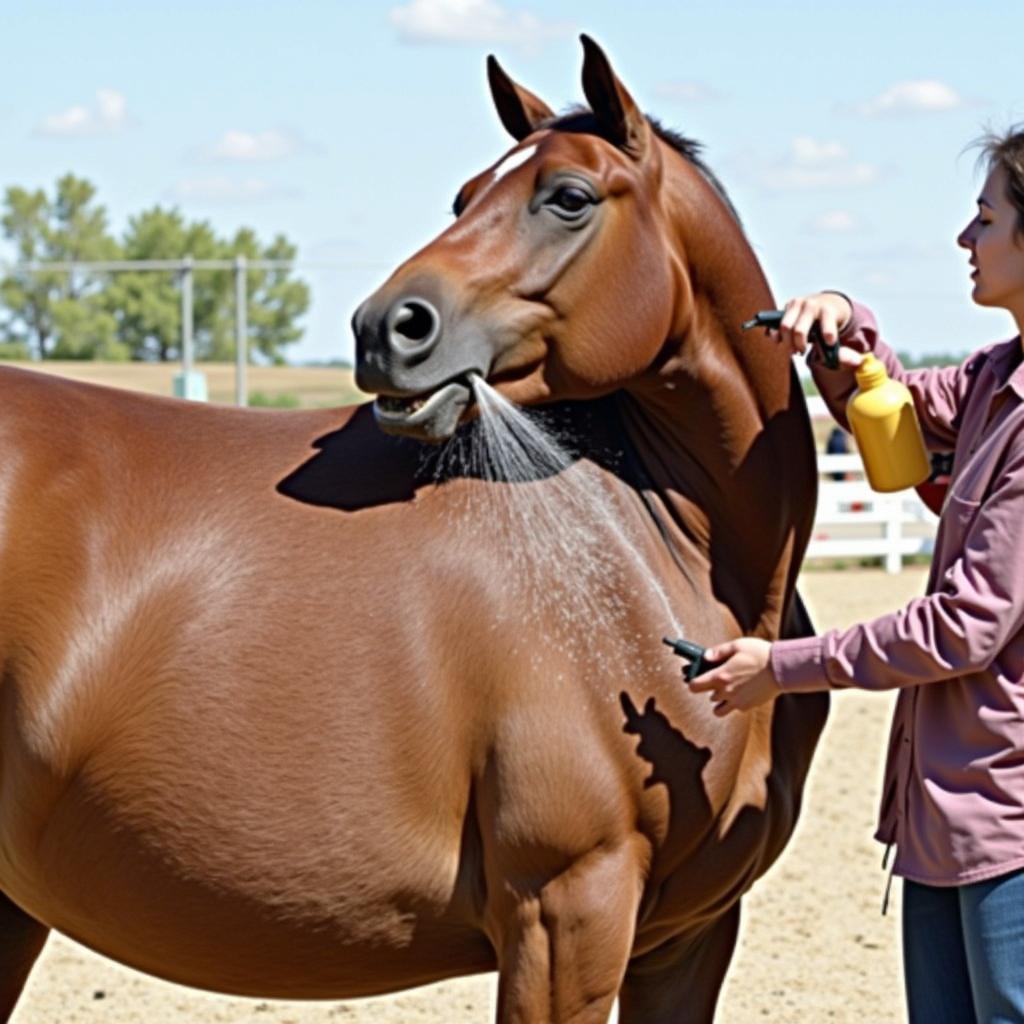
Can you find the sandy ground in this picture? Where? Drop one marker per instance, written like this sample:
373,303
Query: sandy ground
814,946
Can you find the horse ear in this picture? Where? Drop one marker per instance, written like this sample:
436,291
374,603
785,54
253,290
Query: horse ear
616,111
520,111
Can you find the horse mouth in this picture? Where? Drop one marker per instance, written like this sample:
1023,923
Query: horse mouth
427,416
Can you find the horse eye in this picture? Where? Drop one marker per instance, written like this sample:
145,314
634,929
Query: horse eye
571,199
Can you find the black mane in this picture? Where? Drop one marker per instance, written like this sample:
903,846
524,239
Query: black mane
581,120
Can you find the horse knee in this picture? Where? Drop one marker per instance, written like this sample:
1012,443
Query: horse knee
21,941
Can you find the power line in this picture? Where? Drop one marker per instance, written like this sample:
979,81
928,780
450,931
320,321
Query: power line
178,265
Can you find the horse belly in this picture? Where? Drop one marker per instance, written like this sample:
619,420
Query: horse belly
272,839
277,912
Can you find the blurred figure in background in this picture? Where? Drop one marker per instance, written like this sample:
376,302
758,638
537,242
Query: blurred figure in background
837,444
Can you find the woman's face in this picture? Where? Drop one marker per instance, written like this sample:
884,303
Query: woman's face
997,250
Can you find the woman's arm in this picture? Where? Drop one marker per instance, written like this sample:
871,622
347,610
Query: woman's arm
976,609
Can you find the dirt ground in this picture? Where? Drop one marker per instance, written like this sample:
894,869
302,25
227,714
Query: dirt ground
814,946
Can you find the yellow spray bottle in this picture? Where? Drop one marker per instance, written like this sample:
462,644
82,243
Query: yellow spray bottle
883,420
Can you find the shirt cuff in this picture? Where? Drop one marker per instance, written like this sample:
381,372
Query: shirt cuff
799,665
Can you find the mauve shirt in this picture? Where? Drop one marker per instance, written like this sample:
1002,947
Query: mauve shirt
953,797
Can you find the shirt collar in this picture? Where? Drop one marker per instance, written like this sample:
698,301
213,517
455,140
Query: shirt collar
1008,367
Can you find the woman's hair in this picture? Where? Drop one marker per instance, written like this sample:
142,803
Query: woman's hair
1006,150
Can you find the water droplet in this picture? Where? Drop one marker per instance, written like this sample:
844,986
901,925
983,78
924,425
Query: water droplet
568,552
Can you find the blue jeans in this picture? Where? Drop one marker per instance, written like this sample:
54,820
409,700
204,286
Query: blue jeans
963,952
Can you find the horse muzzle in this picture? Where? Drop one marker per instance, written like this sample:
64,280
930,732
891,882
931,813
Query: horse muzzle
433,416
419,360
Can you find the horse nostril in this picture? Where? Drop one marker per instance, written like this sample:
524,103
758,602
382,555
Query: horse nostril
414,323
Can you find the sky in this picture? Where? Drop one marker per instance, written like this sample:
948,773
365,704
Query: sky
839,130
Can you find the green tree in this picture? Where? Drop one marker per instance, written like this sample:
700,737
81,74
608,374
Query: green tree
276,300
56,312
929,359
146,304
135,314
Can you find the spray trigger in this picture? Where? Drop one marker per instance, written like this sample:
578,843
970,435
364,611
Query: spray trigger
772,320
694,654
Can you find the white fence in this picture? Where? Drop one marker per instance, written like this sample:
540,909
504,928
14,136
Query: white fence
853,521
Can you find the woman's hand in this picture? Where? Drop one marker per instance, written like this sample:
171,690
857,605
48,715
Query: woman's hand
829,310
742,680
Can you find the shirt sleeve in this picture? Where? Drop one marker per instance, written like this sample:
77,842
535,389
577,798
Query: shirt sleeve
939,393
975,610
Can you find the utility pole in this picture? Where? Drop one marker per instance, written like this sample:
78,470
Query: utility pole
189,383
241,332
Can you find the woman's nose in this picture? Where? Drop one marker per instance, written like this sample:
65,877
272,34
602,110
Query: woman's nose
966,237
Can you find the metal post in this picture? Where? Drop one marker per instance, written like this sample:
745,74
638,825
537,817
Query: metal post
186,316
241,332
894,534
188,383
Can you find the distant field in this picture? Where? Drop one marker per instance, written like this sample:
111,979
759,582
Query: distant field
310,386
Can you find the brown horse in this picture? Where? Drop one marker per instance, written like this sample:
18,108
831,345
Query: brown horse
278,717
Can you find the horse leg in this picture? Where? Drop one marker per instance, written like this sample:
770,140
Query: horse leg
563,950
21,941
679,982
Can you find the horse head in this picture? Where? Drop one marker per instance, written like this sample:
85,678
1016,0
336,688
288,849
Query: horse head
601,256
563,275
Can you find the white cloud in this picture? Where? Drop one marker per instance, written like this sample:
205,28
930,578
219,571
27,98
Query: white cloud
470,21
230,190
833,222
108,115
922,96
255,147
687,92
811,164
809,151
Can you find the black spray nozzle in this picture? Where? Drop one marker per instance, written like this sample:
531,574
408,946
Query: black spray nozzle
693,653
772,320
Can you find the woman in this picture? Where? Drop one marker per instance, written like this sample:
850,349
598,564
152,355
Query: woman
953,799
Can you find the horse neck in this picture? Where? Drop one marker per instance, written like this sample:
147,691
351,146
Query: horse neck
721,429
